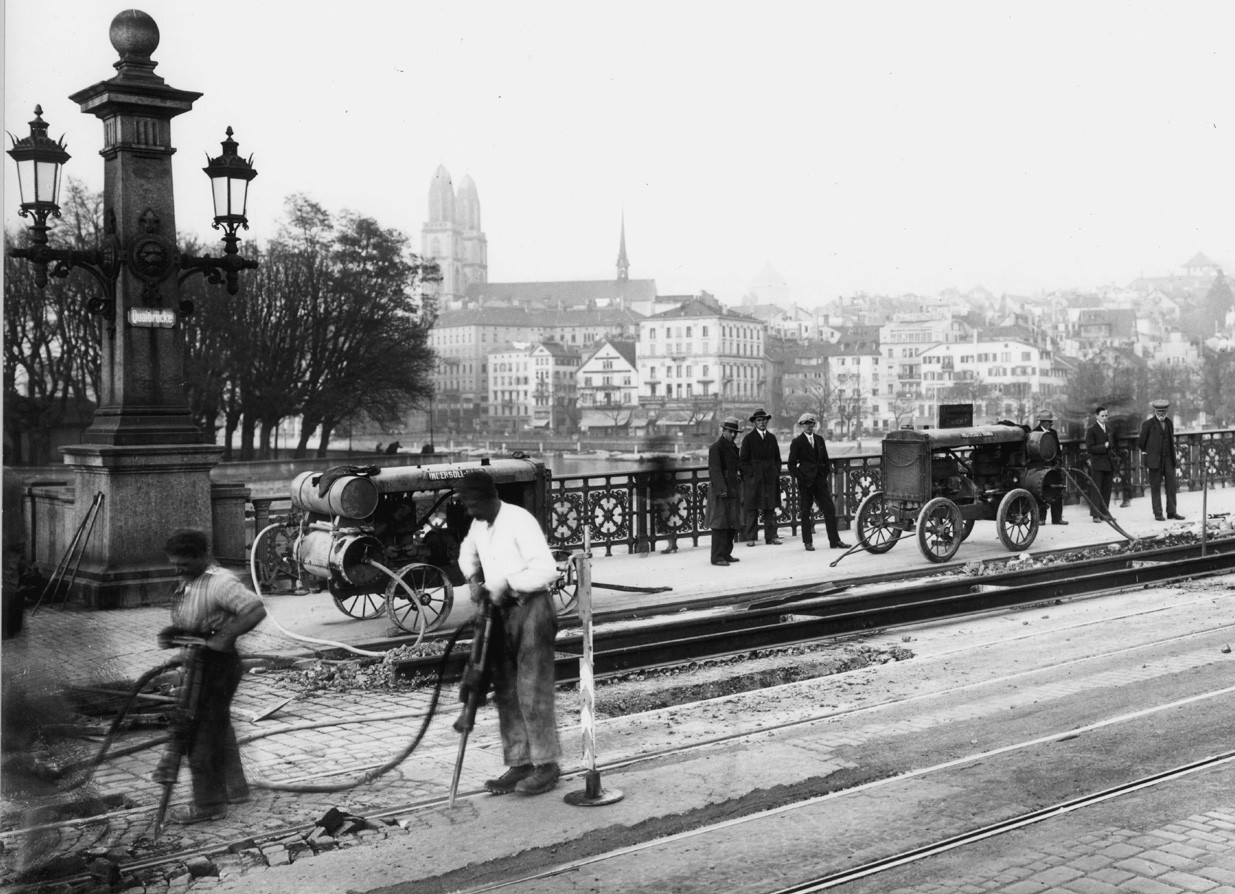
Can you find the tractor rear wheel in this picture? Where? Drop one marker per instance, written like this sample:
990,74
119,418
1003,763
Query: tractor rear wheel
1017,519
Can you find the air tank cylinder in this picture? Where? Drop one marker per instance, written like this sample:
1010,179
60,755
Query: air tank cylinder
351,496
333,556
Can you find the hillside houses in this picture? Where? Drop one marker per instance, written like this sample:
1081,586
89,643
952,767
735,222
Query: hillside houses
616,357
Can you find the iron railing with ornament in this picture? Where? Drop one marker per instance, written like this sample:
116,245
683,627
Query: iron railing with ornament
622,515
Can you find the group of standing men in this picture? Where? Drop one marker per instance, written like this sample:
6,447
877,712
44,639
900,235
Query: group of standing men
745,483
1157,445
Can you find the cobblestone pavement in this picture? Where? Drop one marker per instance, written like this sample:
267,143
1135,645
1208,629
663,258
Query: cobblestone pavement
89,648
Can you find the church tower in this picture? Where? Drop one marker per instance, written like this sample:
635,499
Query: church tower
623,265
474,248
452,237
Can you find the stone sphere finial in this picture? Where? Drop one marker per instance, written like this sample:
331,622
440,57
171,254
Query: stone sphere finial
134,34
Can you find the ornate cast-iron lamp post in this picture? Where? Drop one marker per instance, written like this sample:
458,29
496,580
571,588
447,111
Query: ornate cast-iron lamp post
142,452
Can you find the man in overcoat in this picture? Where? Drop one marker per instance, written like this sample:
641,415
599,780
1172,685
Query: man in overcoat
759,460
1101,467
1157,446
809,464
724,494
1046,422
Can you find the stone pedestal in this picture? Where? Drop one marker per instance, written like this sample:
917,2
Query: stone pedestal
148,492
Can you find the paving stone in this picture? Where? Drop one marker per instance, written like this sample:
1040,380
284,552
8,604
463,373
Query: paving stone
1183,850
1111,875
1223,875
1090,863
1188,881
1090,886
1168,858
1028,886
1057,875
1149,886
1141,866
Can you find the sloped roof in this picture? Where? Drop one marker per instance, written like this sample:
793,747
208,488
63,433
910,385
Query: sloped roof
568,293
624,348
1200,260
1007,333
557,349
582,316
697,308
522,317
491,316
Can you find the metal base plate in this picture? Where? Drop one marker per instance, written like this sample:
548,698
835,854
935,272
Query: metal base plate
583,798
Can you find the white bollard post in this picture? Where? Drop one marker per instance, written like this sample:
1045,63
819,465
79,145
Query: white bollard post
594,794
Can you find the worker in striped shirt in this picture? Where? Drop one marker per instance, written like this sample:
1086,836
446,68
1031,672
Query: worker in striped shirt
211,603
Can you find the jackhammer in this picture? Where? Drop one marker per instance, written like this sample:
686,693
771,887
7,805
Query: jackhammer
475,685
184,718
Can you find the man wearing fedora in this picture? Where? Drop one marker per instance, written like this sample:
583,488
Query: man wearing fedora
1046,422
1157,446
759,460
724,494
809,464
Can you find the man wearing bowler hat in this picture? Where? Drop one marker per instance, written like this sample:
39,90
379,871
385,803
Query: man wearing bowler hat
724,492
759,461
1046,422
1157,446
809,465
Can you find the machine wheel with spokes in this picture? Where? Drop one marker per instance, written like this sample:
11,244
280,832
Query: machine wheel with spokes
940,529
431,593
360,605
877,528
1017,519
564,592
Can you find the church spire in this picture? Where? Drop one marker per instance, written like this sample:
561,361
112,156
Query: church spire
623,265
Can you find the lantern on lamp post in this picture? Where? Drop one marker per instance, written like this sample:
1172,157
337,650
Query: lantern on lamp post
39,159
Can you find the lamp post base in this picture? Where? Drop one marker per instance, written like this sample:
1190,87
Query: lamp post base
148,492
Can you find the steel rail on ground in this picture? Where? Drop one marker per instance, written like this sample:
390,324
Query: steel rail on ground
814,614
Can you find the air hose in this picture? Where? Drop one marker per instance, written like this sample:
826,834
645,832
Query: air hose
90,764
325,642
1104,514
370,775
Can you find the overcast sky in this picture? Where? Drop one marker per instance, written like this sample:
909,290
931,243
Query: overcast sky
880,147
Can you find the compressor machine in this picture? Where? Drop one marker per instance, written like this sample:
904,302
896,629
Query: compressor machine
388,539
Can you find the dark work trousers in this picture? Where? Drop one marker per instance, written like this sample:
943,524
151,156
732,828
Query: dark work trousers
1103,482
1056,510
820,494
722,543
523,680
750,524
214,758
1164,474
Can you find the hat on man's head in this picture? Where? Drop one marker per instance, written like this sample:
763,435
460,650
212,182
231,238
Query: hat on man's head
1046,416
759,414
732,423
807,417
1160,404
478,482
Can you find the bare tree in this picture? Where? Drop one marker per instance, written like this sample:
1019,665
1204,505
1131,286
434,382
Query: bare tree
1217,386
51,343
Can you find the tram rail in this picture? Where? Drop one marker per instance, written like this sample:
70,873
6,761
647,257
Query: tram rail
796,615
803,613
